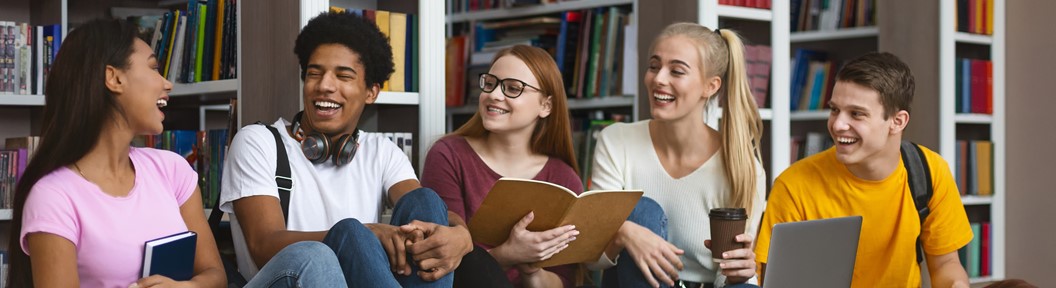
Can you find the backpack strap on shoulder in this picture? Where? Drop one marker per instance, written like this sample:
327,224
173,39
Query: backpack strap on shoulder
919,185
283,180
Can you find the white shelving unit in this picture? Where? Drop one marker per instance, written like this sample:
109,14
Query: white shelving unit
949,120
5,214
839,34
822,115
21,100
430,100
778,17
525,11
206,87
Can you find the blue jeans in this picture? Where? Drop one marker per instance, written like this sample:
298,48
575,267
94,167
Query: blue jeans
302,264
650,215
364,261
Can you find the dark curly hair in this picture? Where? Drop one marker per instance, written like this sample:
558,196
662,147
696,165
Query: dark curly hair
352,31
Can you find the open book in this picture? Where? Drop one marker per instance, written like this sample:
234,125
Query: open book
596,214
171,256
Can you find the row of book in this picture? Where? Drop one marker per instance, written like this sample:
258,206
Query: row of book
809,144
26,54
974,86
195,44
14,157
977,256
813,77
975,16
828,15
460,6
975,167
761,4
585,131
402,30
203,150
593,48
760,60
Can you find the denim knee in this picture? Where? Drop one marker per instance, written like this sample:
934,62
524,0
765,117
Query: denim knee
349,228
650,215
421,204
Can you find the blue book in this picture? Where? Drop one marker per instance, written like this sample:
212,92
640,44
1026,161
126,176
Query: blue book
170,256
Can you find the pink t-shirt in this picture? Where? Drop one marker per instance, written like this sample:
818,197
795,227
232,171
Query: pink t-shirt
462,179
108,232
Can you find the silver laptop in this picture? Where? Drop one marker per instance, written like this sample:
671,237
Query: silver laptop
817,253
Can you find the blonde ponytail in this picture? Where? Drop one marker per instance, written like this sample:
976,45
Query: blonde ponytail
741,125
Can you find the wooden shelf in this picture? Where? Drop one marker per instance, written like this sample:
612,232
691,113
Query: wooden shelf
205,87
397,98
814,115
840,34
508,13
573,104
976,200
971,118
962,37
764,113
21,100
744,13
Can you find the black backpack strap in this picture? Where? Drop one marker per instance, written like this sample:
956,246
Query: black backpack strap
283,180
919,184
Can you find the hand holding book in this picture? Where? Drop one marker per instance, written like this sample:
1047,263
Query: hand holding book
542,207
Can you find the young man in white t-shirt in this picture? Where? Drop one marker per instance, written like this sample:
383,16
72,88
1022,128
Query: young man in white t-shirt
338,193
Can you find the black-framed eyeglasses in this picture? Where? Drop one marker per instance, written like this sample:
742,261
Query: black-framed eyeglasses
510,87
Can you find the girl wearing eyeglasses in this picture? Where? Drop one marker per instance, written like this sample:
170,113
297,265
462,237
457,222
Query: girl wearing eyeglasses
521,129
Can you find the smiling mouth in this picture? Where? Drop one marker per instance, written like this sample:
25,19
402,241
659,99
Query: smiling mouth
846,140
162,103
498,111
663,98
327,105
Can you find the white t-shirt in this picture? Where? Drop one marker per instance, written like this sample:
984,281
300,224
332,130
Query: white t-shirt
625,159
322,194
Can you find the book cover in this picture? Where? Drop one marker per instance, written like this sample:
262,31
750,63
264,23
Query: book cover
398,41
170,256
596,214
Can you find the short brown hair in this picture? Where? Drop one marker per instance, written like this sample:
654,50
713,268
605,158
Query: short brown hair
885,73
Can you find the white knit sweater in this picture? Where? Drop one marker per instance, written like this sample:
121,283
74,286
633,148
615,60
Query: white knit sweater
625,159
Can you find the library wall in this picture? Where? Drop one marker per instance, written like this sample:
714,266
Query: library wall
1030,244
269,71
652,18
910,30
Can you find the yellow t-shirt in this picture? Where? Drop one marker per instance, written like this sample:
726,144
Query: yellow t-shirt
821,187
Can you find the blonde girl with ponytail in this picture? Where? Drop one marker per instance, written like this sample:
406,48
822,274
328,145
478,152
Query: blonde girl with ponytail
685,167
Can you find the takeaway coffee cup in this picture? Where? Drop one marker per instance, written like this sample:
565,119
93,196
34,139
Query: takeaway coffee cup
726,224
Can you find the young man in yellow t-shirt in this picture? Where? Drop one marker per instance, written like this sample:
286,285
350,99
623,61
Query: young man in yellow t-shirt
864,175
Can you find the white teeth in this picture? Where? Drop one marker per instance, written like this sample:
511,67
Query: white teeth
327,104
846,140
162,103
497,110
663,97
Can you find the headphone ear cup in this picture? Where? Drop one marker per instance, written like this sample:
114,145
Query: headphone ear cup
346,146
316,147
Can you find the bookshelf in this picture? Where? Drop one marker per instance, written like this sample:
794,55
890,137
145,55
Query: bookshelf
954,125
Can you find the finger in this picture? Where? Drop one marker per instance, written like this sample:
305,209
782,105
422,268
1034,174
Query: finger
707,243
648,275
560,239
740,268
553,251
151,280
433,274
391,251
401,256
559,231
415,236
671,255
668,268
523,223
746,239
435,253
661,274
425,245
743,253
